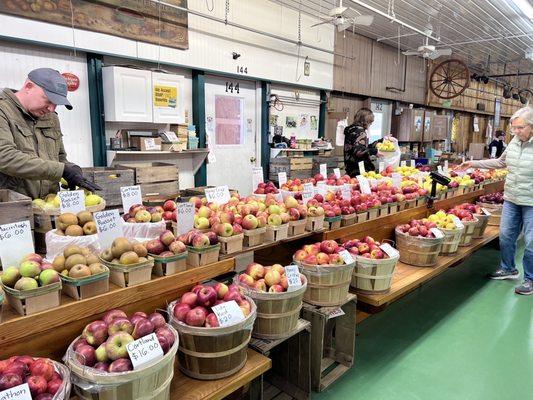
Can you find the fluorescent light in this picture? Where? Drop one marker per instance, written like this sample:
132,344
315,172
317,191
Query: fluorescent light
525,7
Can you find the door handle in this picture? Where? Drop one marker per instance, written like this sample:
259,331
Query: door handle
252,159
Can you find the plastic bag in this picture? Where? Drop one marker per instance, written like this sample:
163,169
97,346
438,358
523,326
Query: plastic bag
55,244
392,159
143,232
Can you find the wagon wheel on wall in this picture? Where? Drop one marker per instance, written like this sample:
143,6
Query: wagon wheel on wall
449,79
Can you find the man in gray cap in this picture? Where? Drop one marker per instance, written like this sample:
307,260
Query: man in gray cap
32,155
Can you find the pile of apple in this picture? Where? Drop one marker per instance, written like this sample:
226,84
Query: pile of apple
472,208
296,210
102,344
52,203
492,198
166,245
294,185
138,214
169,210
321,253
194,307
463,212
125,252
344,179
418,228
32,272
366,247
386,146
270,279
443,220
39,373
77,262
69,224
265,188
198,239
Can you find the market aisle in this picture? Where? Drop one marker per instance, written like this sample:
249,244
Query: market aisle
460,337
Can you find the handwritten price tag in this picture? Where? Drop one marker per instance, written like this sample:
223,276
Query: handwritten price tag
308,187
389,250
20,392
15,242
144,350
185,217
439,169
337,172
346,192
257,177
293,277
487,212
282,178
130,195
219,194
306,196
228,313
109,227
71,201
457,221
321,188
361,167
324,170
412,163
336,312
346,256
437,232
381,166
403,163
363,184
396,180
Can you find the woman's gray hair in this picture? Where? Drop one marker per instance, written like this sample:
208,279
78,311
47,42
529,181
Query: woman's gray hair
525,113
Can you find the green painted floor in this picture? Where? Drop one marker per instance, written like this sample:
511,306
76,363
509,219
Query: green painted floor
459,337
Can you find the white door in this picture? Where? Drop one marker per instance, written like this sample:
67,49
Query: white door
232,126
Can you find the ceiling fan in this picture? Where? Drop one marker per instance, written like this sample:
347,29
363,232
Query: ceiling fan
336,16
428,51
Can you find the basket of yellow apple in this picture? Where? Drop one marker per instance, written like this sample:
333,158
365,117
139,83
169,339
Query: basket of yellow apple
452,228
387,148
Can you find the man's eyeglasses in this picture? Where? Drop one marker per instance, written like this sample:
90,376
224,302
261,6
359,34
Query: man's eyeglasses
518,128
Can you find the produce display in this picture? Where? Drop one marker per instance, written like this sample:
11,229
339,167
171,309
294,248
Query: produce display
194,308
51,202
166,245
270,279
294,185
266,188
367,247
419,228
324,253
465,212
80,224
102,344
32,273
198,239
77,262
492,198
443,220
141,214
332,180
125,252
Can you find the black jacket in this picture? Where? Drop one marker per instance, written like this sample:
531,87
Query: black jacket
356,149
499,147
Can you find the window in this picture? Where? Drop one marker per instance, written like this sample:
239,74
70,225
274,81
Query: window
229,120
376,129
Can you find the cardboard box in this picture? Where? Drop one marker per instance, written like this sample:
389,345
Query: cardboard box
145,143
476,150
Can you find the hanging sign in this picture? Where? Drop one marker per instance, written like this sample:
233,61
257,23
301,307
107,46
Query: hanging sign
73,82
324,170
165,96
257,177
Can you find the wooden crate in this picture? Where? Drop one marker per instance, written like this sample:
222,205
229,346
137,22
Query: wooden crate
14,207
153,172
110,179
332,341
290,164
161,189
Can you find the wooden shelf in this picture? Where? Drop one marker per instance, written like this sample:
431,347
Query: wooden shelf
408,277
185,388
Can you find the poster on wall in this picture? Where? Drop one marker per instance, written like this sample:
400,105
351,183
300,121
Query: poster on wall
290,121
142,20
314,123
304,125
165,96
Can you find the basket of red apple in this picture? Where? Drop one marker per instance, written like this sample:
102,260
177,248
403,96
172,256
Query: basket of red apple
374,264
202,248
230,237
277,292
128,262
26,377
121,358
328,274
468,220
315,214
277,227
297,216
214,325
254,228
142,223
263,189
169,254
481,214
419,242
493,203
32,286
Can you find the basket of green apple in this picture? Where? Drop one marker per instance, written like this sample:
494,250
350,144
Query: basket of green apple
169,254
277,227
202,248
121,358
33,286
230,236
45,379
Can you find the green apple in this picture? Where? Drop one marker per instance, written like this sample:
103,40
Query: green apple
274,209
48,276
30,269
274,220
10,276
201,223
26,283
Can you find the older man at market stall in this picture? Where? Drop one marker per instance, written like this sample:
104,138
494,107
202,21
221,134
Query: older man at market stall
32,155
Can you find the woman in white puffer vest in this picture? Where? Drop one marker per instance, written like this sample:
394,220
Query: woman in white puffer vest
517,211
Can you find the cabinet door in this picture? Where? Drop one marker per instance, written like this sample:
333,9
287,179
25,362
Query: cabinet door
127,94
167,98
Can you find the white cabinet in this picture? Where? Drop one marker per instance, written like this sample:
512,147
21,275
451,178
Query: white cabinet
168,91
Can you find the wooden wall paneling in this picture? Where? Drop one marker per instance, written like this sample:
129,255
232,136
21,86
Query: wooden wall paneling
340,105
352,75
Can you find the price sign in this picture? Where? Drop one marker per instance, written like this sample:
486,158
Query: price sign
282,178
219,194
257,177
457,221
144,350
487,212
446,166
293,277
412,163
363,184
346,191
346,256
324,170
185,217
439,169
150,144
437,232
471,158
109,227
15,242
389,250
420,179
403,163
321,188
337,172
308,187
381,166
361,167
306,196
396,180
20,392
130,195
336,312
228,313
72,201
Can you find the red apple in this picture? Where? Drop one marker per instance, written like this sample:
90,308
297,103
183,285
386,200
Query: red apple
9,380
37,384
211,321
221,289
255,270
181,310
328,246
157,320
120,325
85,354
112,314
167,333
190,298
232,295
95,333
207,296
42,367
196,316
54,385
120,365
142,328
101,366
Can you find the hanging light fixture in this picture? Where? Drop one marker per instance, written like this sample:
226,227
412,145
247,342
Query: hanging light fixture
507,91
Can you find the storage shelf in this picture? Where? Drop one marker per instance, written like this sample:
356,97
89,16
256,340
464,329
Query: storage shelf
120,156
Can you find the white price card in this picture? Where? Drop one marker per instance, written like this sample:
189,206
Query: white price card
257,177
72,201
15,242
485,211
439,169
446,165
109,227
346,191
324,170
361,167
389,250
185,217
144,350
282,178
471,158
130,195
322,188
364,186
293,277
20,392
306,196
396,180
412,163
464,159
346,256
420,179
335,312
403,163
457,221
219,195
150,145
437,232
308,187
381,166
337,172
228,313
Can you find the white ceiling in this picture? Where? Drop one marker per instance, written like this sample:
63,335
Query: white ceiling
454,21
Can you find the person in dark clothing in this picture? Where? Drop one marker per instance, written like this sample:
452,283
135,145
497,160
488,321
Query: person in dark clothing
356,147
497,143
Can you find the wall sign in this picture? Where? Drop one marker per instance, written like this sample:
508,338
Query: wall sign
73,82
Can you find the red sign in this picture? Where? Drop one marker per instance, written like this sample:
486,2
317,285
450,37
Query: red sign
73,82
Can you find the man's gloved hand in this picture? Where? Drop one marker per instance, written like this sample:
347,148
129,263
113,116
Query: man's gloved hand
74,177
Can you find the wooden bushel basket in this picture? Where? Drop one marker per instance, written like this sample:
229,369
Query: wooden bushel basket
129,275
297,227
482,222
373,276
164,266
89,286
150,382
231,244
315,224
213,353
347,220
418,251
32,301
203,256
254,237
452,237
277,313
277,233
327,285
468,234
495,212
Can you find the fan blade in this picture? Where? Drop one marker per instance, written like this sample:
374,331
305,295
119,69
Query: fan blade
410,53
364,20
444,52
325,21
337,11
433,55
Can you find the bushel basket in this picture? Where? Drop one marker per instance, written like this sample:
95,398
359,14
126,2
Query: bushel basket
468,233
418,251
482,222
373,276
452,237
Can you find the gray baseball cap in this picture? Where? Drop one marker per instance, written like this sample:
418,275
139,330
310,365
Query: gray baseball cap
53,84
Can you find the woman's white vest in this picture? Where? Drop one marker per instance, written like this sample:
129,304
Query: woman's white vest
519,181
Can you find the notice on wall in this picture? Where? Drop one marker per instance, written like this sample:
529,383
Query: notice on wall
15,242
165,96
